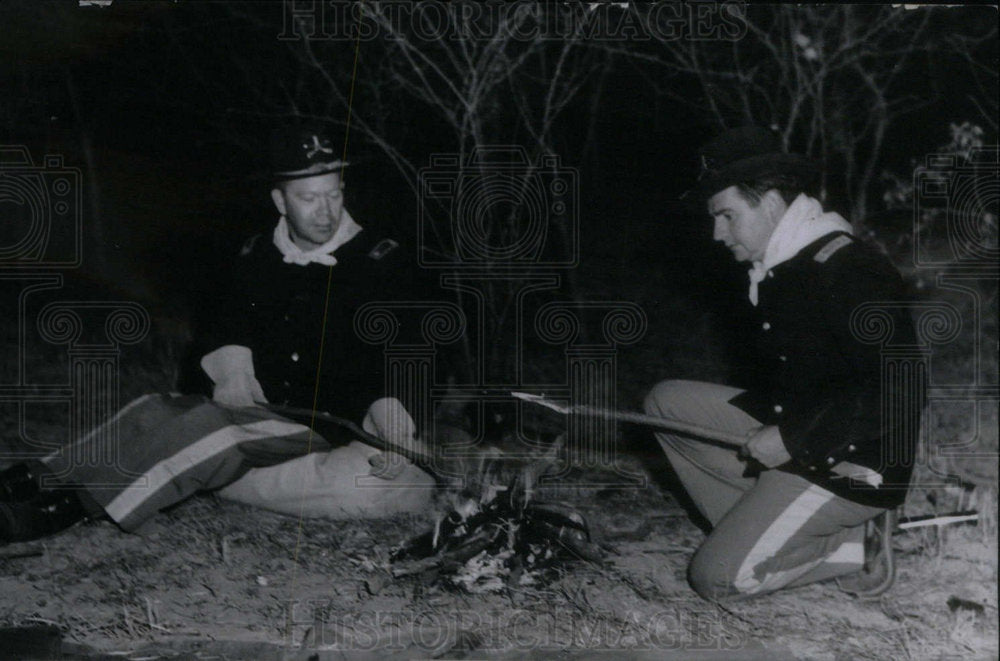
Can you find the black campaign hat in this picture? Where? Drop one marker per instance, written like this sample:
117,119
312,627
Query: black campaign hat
746,153
302,150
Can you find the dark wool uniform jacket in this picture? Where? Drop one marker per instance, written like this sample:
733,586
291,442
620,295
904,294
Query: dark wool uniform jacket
279,310
824,387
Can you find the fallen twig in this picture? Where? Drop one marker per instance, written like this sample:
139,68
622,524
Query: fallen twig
128,621
34,553
937,520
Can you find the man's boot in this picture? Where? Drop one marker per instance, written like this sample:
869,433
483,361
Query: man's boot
52,511
19,483
879,571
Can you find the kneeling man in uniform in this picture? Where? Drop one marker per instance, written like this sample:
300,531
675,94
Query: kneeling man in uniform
795,516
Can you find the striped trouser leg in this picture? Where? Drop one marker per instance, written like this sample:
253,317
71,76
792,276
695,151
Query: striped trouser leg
783,532
169,447
769,532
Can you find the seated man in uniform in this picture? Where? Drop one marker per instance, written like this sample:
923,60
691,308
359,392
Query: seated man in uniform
283,333
797,518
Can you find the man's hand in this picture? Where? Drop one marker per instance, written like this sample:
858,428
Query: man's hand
388,419
388,465
238,390
765,445
231,369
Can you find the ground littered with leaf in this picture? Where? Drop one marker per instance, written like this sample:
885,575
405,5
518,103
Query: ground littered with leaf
214,579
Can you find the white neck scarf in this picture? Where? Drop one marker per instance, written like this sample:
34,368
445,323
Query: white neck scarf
321,254
803,222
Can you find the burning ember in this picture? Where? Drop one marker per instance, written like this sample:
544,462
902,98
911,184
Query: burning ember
504,542
502,538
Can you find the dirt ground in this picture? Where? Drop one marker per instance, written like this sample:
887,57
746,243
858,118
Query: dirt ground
212,579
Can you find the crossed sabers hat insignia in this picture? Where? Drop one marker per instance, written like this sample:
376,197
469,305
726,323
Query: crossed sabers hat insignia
315,147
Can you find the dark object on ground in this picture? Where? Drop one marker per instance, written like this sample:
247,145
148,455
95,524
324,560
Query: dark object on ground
957,603
48,513
18,484
34,643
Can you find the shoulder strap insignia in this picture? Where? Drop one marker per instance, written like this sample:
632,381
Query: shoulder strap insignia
833,246
248,245
383,248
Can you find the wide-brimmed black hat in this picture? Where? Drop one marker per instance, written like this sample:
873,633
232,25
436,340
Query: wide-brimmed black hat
747,153
303,150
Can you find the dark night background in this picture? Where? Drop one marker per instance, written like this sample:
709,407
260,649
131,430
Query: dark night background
164,108
154,102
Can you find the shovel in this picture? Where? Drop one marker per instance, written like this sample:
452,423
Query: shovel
697,432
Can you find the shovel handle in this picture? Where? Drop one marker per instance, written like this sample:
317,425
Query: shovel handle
705,434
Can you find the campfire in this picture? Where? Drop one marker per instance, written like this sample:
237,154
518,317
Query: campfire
498,535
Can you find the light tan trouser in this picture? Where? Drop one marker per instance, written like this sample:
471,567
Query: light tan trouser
341,483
